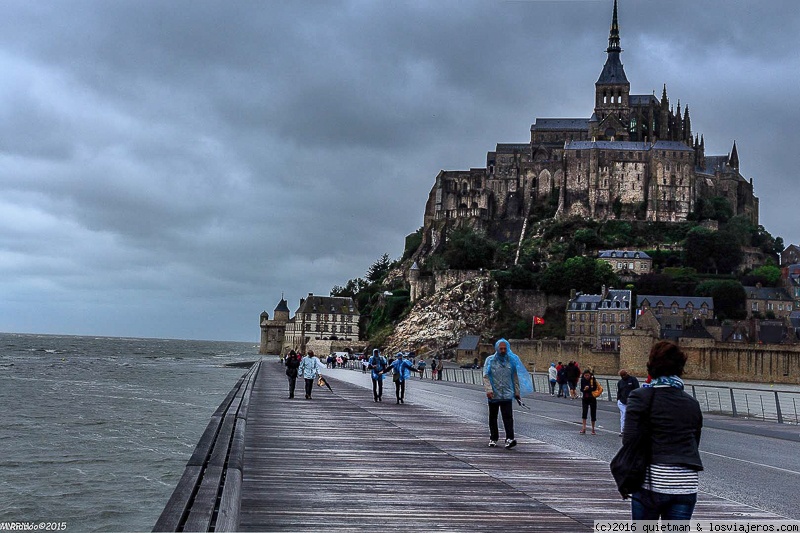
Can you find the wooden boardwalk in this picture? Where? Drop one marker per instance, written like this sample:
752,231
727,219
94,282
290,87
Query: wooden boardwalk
340,462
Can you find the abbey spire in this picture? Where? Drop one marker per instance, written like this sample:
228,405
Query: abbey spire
611,118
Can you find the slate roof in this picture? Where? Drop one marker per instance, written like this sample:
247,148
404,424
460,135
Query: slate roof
328,305
682,301
672,145
469,342
622,254
282,306
615,299
613,72
771,333
767,293
560,124
642,99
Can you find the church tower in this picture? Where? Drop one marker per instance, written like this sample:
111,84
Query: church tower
611,107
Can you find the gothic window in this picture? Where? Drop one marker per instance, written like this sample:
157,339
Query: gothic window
603,329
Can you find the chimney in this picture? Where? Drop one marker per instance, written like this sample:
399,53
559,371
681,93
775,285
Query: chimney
572,294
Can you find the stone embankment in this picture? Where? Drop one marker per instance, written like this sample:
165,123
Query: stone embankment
437,323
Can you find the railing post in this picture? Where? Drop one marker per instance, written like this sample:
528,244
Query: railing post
733,403
778,408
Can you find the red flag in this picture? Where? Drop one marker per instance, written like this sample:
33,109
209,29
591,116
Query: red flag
537,320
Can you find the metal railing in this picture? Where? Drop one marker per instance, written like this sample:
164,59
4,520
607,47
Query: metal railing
771,405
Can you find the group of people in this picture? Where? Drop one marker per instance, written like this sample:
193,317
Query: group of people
563,379
658,413
309,367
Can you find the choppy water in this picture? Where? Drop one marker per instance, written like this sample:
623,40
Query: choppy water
95,432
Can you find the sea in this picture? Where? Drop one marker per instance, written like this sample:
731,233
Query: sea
95,432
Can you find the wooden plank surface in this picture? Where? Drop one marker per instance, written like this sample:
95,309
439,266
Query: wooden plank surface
341,463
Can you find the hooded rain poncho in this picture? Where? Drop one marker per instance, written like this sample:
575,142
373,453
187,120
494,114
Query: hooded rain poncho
504,375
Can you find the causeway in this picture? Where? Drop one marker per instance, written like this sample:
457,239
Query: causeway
341,462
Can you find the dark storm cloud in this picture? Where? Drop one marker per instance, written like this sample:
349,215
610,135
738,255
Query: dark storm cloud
171,168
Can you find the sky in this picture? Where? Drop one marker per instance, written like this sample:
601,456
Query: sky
172,168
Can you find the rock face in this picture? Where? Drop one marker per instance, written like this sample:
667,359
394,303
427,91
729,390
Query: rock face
437,323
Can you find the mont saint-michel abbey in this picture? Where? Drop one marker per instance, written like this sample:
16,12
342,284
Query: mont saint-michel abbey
635,158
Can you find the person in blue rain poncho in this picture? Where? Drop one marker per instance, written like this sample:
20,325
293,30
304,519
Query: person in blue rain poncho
505,379
401,370
377,363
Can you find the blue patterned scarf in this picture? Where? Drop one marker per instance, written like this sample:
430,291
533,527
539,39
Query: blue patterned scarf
668,381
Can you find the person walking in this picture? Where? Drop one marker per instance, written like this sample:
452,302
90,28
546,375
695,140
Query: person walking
421,368
310,368
573,373
505,378
552,374
561,378
377,363
292,364
673,421
588,401
401,370
625,386
433,368
440,369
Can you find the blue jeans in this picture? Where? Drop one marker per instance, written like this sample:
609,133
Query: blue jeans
649,505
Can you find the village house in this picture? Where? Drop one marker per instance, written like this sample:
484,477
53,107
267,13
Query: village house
627,262
597,319
769,302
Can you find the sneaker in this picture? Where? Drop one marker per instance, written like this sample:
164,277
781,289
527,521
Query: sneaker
492,443
510,443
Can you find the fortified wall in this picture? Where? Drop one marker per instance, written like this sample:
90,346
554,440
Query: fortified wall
721,361
538,354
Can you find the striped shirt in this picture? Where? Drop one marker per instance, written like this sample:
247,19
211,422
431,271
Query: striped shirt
671,479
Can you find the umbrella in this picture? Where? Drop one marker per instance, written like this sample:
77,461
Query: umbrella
322,381
522,404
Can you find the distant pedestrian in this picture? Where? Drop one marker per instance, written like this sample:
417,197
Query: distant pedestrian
292,364
421,368
401,370
433,368
625,386
310,368
573,374
561,378
673,421
552,375
377,363
588,401
440,369
364,365
505,378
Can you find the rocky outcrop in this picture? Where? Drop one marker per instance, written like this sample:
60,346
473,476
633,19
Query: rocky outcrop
437,323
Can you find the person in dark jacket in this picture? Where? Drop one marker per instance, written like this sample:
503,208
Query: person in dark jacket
292,364
675,422
625,386
588,401
573,375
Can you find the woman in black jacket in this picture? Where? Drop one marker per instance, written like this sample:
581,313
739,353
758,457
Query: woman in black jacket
588,401
673,421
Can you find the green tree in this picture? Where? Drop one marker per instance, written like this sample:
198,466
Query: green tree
699,241
583,274
729,298
467,249
769,276
379,268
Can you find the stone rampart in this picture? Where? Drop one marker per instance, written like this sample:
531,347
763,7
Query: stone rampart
720,361
538,354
